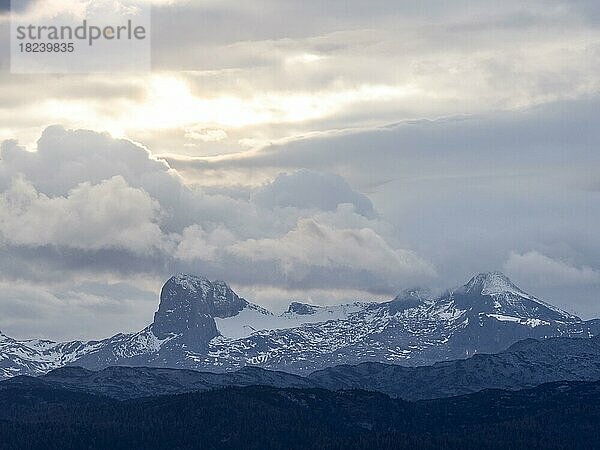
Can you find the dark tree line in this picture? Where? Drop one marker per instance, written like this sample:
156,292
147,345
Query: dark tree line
37,417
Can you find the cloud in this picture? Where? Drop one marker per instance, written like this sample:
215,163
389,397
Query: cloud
459,146
86,205
80,311
259,79
109,215
199,245
541,270
66,158
308,189
314,247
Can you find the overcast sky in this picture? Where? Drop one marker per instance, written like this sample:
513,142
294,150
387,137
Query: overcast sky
322,151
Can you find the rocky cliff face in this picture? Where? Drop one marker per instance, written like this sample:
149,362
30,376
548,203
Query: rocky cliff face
188,307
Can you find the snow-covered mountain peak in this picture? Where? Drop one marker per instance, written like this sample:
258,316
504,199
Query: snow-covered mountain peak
493,294
493,283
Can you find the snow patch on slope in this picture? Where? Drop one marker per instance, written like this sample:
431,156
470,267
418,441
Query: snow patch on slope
253,318
529,322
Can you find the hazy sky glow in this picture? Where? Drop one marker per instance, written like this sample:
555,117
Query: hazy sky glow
305,150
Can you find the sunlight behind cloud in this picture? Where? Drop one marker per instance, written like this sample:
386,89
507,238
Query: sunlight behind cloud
169,103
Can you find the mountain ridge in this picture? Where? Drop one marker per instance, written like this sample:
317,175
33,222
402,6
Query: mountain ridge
525,364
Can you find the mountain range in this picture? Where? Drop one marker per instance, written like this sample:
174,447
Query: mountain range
526,364
205,325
